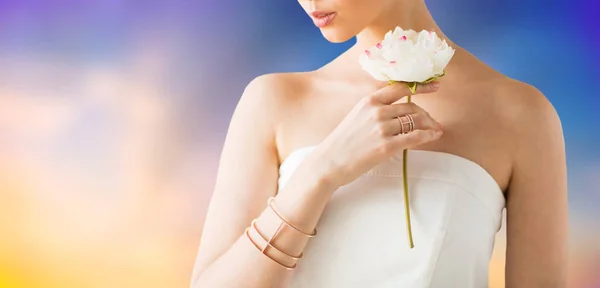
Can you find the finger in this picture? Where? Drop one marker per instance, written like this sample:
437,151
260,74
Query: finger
417,137
422,121
386,112
392,111
397,91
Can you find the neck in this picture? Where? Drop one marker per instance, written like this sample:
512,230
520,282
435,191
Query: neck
412,14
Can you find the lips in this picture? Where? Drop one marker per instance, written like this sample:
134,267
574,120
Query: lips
322,19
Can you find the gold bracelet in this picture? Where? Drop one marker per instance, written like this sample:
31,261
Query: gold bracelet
262,251
310,235
269,244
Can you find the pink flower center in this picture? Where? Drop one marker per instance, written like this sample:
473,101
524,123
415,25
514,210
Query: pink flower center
392,62
403,38
368,52
379,45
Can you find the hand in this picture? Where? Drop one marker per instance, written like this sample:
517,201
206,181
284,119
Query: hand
370,133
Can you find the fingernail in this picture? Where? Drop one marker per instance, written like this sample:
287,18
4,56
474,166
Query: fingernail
439,133
435,84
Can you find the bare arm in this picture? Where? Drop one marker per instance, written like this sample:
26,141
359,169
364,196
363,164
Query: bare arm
537,210
247,177
248,174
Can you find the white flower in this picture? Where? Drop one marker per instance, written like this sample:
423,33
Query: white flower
408,56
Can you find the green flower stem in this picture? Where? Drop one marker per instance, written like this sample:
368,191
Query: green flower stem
406,203
412,86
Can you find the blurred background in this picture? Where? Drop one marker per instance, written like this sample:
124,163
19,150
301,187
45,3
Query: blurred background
113,113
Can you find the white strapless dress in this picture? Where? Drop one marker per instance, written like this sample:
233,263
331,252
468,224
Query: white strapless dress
456,210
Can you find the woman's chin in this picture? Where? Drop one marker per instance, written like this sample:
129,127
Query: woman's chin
335,35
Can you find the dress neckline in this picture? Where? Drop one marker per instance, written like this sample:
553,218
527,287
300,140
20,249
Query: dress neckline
452,157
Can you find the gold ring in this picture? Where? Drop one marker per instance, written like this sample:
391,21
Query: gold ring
410,122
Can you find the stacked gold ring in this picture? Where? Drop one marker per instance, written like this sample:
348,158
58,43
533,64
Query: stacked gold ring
410,122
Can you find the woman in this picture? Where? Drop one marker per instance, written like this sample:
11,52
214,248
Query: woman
327,146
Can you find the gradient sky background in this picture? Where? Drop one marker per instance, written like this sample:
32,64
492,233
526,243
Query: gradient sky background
113,113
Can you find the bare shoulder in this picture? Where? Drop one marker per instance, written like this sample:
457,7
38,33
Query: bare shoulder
270,94
515,105
269,100
523,106
277,86
532,126
265,97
